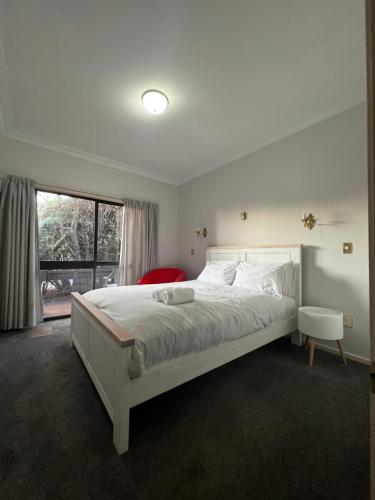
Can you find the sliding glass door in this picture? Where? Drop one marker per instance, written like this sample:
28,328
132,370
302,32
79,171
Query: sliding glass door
79,247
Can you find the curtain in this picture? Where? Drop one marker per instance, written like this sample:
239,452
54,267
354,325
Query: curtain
139,240
20,301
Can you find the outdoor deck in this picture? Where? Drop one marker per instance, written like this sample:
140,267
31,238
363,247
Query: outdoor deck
57,284
56,307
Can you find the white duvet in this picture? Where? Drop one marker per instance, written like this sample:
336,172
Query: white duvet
218,314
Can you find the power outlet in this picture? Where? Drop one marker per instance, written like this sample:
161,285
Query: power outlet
192,251
348,321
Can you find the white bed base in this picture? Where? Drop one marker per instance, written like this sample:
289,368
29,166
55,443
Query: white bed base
105,348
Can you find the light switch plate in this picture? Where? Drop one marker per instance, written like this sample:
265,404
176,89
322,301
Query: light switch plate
347,247
348,321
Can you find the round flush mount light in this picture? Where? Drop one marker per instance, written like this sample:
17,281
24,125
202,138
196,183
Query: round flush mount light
155,102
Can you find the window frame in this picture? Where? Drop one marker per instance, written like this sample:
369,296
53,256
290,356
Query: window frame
46,265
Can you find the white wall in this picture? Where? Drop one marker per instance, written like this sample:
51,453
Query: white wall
65,171
322,169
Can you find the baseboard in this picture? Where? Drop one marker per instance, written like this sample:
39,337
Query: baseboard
349,355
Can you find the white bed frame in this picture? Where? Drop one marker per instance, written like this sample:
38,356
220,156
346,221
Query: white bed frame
105,347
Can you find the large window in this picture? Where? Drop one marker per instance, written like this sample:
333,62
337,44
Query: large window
79,247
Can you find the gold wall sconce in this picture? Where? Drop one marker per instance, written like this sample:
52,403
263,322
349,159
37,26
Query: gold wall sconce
347,247
309,221
201,233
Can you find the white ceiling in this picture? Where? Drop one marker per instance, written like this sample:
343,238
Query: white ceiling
239,74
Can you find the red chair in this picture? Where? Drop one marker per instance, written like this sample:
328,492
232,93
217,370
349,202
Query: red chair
162,275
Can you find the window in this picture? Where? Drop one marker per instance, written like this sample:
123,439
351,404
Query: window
109,232
79,247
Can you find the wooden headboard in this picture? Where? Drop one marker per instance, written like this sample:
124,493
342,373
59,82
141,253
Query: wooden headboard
269,253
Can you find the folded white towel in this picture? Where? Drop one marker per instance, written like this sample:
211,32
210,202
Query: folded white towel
158,295
174,296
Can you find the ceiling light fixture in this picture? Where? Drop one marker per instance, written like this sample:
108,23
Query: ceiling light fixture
154,101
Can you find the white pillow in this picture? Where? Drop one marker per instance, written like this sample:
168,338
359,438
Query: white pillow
277,279
221,273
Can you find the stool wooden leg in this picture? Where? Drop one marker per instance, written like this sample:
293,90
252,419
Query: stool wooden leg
307,341
342,352
312,349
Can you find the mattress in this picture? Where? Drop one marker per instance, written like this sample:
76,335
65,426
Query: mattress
219,313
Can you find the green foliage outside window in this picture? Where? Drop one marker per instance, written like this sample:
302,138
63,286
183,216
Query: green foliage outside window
67,229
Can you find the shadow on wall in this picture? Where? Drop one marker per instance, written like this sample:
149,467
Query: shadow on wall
323,289
194,264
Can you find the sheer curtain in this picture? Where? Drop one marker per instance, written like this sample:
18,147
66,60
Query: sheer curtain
20,301
139,240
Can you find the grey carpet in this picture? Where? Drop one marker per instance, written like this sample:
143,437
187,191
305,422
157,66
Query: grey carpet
262,427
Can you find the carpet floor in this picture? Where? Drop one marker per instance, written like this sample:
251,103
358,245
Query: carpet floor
265,426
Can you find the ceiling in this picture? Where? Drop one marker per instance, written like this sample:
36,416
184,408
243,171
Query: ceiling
239,75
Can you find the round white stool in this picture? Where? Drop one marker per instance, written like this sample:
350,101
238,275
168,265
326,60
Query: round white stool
321,323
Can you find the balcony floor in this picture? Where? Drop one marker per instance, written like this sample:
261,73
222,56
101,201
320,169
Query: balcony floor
60,306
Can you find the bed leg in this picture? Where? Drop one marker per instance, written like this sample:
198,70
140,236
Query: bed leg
122,400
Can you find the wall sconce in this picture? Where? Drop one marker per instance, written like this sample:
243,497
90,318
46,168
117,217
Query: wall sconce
309,221
201,233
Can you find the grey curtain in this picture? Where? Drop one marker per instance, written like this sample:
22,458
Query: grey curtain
20,301
139,240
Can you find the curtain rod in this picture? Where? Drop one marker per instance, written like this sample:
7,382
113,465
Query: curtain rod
44,187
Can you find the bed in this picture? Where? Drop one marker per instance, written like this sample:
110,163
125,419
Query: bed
127,341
